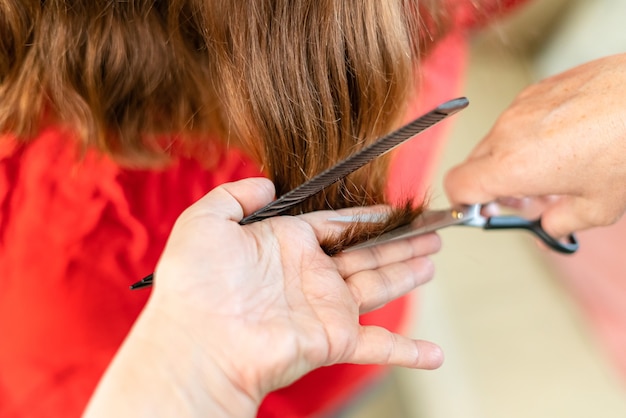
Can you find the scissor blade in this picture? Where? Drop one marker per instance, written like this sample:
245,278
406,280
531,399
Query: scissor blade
356,161
361,217
428,221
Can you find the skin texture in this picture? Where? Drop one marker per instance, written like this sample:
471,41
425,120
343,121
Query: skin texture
562,143
237,312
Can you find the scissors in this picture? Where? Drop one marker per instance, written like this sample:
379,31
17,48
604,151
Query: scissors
469,215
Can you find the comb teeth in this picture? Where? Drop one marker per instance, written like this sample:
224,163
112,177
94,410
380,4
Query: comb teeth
356,161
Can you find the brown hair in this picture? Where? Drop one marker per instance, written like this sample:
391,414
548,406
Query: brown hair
299,84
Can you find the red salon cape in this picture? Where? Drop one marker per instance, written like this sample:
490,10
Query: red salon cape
74,233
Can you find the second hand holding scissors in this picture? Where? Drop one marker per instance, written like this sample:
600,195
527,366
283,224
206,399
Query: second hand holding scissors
469,215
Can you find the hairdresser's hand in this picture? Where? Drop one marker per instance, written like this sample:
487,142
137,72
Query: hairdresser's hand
564,136
237,312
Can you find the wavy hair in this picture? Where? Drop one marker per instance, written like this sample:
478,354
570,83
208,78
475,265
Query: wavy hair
298,84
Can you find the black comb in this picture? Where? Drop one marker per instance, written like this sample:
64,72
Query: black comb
355,161
345,167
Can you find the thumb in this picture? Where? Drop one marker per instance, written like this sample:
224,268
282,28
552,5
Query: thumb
564,217
472,182
233,201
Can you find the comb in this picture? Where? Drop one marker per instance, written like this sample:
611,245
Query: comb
356,161
347,166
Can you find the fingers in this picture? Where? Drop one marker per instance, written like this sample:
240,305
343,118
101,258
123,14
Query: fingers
325,228
235,200
388,253
570,214
372,289
473,182
490,177
376,345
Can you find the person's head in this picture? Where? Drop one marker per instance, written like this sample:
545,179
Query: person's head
298,84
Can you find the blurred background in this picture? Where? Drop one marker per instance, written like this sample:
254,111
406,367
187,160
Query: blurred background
517,342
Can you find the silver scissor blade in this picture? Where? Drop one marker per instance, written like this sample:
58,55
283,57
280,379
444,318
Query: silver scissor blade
356,161
360,217
428,221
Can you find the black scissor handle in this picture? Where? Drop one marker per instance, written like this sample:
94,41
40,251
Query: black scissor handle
515,222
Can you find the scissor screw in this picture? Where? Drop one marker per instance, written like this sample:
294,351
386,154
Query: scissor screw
457,215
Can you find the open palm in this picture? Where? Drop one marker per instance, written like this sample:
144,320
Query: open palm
267,303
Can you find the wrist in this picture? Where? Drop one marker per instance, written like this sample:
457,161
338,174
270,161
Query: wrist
199,380
162,371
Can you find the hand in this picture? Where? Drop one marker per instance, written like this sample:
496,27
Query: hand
565,136
241,311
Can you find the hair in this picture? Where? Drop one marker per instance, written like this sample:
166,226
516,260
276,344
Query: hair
297,84
362,230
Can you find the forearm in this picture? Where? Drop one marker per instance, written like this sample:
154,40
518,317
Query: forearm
154,375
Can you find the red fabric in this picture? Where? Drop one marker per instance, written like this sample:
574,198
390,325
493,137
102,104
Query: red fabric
74,233
73,236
